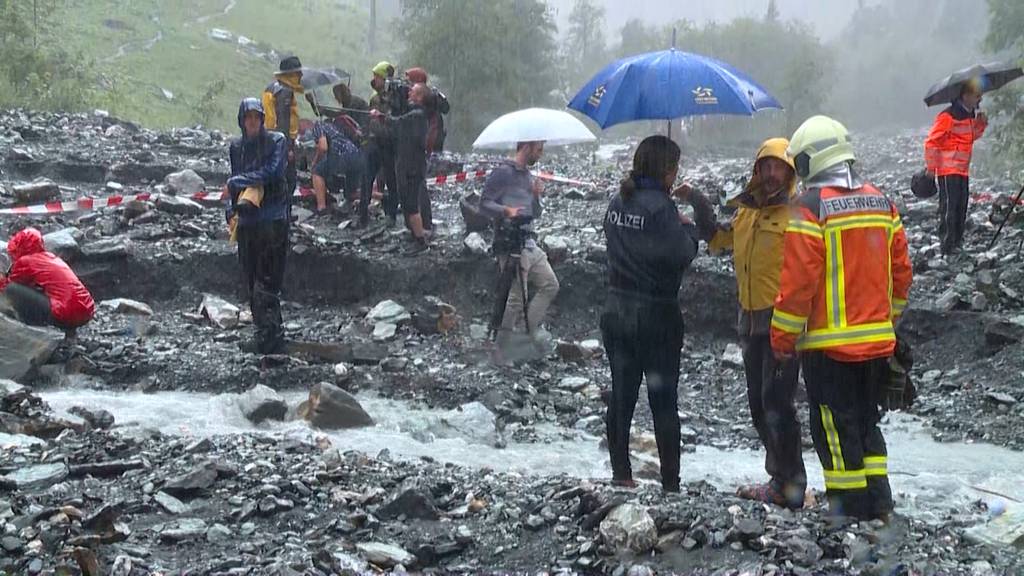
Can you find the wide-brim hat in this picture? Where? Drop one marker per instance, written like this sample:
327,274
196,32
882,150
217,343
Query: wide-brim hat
289,65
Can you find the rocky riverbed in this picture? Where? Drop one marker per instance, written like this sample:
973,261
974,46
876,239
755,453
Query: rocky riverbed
101,497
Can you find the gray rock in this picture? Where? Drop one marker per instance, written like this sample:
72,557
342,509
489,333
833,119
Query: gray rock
11,544
98,419
192,482
109,249
126,306
744,530
573,383
170,503
262,403
178,205
1001,398
385,555
365,354
557,248
221,312
629,527
388,311
330,407
9,388
187,529
733,356
979,302
394,365
949,300
218,533
804,552
37,191
23,348
36,477
64,243
185,183
534,522
412,504
383,331
474,243
1002,333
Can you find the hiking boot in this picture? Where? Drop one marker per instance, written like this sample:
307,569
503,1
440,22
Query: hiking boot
418,247
762,493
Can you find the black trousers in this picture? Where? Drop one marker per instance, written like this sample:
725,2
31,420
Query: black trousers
844,398
415,197
380,161
954,195
262,253
31,305
291,174
643,339
771,387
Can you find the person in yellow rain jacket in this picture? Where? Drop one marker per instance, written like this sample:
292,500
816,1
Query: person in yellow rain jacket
282,110
755,237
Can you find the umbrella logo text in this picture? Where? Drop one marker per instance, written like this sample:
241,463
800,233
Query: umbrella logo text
704,96
595,98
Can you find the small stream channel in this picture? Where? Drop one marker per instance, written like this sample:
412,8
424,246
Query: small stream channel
928,478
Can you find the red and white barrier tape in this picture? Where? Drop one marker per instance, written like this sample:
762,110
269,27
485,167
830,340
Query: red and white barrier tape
89,204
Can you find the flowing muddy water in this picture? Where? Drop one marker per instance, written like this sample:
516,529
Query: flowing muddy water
928,477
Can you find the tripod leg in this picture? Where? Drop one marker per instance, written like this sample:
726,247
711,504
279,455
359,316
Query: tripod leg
1009,214
526,305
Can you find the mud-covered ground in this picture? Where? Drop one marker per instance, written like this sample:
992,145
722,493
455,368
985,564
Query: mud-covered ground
968,370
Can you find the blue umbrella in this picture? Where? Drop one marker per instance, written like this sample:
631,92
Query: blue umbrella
667,85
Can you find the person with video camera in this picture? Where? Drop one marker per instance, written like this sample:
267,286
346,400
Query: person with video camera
380,146
650,245
511,198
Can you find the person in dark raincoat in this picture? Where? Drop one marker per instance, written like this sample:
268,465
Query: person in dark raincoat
258,209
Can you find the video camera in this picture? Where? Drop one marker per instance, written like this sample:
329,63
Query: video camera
511,234
396,94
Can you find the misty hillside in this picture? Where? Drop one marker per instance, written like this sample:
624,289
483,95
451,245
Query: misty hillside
190,61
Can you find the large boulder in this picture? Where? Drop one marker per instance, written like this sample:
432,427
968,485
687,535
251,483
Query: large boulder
64,243
35,477
330,407
630,527
222,313
178,205
23,348
126,306
185,183
262,403
37,192
385,555
389,312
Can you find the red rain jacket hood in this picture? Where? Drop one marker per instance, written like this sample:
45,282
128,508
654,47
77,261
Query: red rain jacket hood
70,302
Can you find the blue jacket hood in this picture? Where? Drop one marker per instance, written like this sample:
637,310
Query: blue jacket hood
248,105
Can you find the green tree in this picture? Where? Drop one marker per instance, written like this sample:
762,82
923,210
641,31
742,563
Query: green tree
490,57
1006,35
772,14
585,49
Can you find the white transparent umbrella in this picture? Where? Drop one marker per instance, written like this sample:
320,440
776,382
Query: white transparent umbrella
553,127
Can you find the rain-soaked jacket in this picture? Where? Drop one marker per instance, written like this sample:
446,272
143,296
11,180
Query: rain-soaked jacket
756,238
70,302
259,162
281,110
950,142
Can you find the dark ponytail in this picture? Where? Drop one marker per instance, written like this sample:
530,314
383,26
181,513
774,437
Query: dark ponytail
655,157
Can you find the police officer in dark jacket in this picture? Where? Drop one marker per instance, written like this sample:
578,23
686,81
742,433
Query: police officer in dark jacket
258,165
649,246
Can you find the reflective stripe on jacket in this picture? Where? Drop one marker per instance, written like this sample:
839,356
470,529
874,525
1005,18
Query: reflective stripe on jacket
845,275
948,148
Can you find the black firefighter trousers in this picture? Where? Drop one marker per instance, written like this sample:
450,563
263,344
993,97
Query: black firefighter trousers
643,338
844,399
954,195
262,252
771,390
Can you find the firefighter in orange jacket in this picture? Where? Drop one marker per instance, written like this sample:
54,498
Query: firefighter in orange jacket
845,278
947,154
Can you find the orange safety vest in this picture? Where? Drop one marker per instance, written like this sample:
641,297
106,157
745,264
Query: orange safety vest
948,148
845,275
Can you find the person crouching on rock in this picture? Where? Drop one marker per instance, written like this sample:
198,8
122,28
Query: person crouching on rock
257,211
41,288
650,244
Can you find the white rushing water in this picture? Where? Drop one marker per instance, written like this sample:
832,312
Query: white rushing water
927,477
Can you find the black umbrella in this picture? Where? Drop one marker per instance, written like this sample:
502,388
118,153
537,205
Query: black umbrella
992,76
315,78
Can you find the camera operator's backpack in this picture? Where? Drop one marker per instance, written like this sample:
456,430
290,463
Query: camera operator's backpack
475,221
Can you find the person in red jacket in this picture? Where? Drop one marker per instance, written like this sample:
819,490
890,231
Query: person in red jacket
947,154
41,287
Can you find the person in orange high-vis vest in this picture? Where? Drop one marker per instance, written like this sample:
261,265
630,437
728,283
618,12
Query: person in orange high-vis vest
845,277
947,154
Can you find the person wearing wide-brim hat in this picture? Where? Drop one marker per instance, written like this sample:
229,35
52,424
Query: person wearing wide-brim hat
282,110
